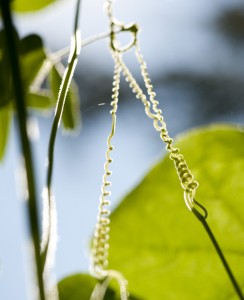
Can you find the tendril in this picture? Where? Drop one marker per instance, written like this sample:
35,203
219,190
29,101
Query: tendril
188,183
101,237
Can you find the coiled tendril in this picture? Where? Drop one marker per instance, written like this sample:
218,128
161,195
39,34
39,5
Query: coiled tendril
188,183
101,238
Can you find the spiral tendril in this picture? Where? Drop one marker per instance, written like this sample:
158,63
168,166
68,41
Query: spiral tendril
188,183
101,237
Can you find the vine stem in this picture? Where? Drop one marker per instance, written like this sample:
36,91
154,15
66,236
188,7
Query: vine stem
55,57
65,51
65,84
24,140
220,253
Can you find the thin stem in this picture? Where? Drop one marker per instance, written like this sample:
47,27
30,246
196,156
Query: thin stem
65,84
220,253
57,56
25,143
54,58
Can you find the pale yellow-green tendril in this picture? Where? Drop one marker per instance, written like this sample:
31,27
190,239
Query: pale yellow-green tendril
189,184
101,237
101,288
100,243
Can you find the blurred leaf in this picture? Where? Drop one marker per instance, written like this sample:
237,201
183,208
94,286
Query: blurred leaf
160,247
41,100
80,287
5,119
32,58
71,112
30,43
231,23
29,6
76,287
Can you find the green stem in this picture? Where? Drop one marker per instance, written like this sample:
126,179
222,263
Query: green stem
220,253
25,143
65,84
54,58
57,56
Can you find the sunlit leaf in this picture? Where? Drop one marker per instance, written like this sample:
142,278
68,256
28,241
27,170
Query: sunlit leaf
29,6
159,245
71,112
5,119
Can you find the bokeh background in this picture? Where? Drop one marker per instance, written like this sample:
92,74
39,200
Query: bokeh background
195,54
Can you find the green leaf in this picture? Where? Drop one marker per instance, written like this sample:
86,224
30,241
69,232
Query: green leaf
71,112
32,57
40,100
80,287
5,119
29,6
160,246
76,287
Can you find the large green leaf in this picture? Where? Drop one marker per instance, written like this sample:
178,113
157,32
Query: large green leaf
160,247
71,112
5,119
29,6
81,286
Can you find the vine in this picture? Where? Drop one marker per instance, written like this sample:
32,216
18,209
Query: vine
188,183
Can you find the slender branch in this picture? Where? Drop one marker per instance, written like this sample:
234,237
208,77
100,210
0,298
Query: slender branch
25,143
220,253
65,84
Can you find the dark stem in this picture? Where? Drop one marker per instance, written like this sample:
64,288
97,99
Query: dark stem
24,141
220,253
